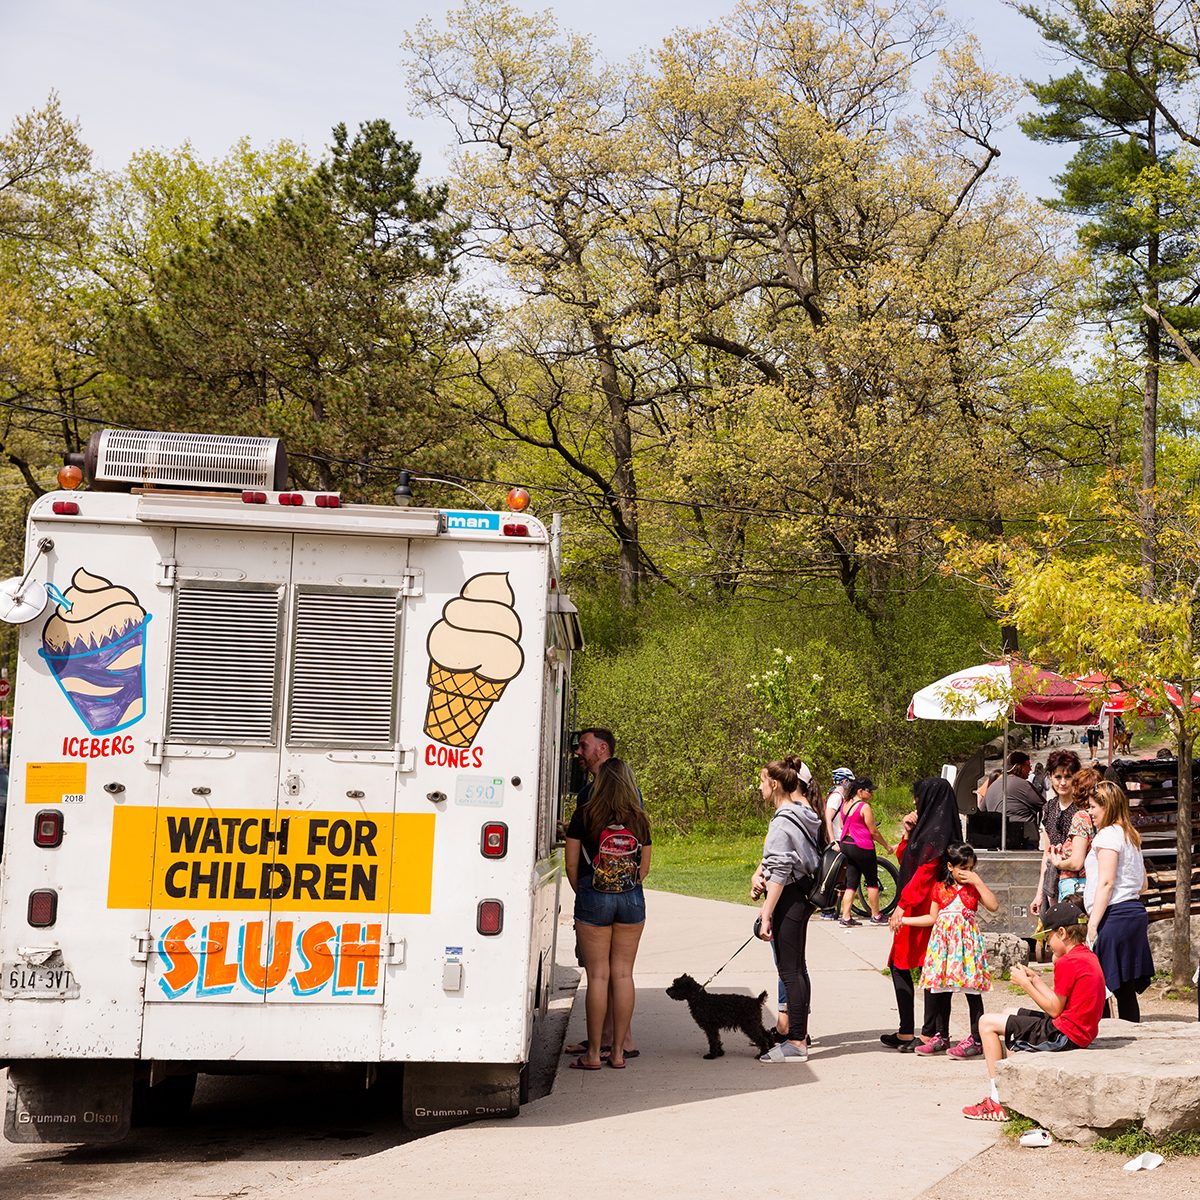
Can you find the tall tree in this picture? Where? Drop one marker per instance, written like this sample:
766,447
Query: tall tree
319,320
1129,104
788,294
46,311
549,185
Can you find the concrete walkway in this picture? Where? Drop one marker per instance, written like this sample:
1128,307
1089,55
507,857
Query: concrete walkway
856,1121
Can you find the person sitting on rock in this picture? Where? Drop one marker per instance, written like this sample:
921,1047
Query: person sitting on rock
1070,1013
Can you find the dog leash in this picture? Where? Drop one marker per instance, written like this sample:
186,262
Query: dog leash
728,961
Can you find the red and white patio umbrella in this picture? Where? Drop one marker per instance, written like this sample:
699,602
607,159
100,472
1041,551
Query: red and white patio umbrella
1006,689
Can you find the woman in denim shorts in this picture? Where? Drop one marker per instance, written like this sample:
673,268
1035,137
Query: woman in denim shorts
609,922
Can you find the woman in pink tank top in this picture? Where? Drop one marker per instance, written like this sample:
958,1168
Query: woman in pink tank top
859,836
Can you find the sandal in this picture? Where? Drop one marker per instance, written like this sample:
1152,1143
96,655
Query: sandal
582,1048
617,1066
578,1064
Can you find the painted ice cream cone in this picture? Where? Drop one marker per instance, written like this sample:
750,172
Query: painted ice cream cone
95,645
474,650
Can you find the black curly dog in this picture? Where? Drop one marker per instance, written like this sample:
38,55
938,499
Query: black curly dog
722,1010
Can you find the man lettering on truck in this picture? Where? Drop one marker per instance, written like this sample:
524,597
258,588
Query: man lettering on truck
597,745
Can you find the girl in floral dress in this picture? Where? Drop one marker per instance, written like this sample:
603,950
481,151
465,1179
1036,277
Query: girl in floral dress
955,960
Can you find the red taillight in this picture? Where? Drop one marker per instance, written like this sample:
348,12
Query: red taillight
493,842
328,502
43,909
48,829
66,508
254,497
290,498
490,917
515,530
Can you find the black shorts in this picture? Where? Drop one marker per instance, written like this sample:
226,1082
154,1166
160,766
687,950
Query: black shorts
1032,1029
860,864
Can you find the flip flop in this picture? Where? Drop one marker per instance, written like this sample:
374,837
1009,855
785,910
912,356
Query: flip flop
617,1066
582,1048
579,1065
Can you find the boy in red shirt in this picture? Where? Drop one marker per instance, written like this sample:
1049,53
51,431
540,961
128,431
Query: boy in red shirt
1070,1014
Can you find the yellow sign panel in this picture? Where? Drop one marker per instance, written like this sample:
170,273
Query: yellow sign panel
52,783
255,860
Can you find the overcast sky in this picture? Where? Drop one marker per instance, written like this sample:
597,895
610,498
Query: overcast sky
141,73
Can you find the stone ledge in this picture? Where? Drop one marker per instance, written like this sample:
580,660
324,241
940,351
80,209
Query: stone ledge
1147,1075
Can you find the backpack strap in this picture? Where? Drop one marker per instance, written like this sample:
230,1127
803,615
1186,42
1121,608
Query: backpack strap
799,824
842,813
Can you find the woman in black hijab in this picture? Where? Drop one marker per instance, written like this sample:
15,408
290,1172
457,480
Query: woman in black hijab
937,825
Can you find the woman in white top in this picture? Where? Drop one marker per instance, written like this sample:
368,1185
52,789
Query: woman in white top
1116,877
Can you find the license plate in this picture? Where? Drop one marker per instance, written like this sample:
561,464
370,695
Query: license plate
20,981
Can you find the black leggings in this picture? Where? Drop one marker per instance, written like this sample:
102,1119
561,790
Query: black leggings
861,863
941,1007
790,924
1126,998
902,985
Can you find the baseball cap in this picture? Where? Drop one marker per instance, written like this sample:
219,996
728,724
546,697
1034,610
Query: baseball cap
805,774
842,774
1058,916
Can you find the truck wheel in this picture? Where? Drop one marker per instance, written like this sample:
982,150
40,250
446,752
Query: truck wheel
168,1102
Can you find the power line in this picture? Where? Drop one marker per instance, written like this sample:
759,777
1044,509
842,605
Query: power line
591,499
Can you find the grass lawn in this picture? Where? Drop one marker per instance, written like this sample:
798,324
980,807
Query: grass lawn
715,867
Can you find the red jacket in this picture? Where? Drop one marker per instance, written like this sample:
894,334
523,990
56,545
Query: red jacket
911,941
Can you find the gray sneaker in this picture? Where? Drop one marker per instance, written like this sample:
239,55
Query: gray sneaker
785,1052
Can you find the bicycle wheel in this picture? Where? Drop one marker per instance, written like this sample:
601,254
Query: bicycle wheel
888,892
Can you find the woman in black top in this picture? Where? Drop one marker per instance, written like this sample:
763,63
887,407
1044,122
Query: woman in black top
608,857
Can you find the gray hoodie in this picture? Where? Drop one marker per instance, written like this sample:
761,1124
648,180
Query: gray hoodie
787,854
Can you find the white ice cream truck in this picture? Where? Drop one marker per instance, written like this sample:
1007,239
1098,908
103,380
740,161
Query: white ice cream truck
285,781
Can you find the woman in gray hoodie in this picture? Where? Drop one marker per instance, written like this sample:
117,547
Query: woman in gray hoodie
791,855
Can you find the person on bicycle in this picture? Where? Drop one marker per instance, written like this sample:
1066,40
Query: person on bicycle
859,834
843,777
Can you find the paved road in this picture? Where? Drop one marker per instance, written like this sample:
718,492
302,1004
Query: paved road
857,1121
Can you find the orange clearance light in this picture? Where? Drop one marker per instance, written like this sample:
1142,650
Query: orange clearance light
69,478
517,499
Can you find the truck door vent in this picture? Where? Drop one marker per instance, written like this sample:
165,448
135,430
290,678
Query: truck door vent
344,669
224,664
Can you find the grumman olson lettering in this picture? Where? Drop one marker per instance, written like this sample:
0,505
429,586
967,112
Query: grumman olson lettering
285,777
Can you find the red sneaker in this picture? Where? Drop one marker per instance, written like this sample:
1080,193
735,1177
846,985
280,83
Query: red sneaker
986,1110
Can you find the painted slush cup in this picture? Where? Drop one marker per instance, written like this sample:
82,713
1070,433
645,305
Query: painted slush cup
95,644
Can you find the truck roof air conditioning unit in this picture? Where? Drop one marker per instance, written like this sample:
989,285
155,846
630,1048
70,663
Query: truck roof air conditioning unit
117,460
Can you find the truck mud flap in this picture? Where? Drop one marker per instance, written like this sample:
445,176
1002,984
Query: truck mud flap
68,1101
440,1095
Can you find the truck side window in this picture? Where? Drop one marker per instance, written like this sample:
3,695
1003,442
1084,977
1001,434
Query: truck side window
225,664
344,669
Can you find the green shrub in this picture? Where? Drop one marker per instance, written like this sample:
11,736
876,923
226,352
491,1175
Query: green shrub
700,693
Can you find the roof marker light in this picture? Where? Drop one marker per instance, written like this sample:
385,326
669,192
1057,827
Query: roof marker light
328,501
254,497
291,498
65,508
515,531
